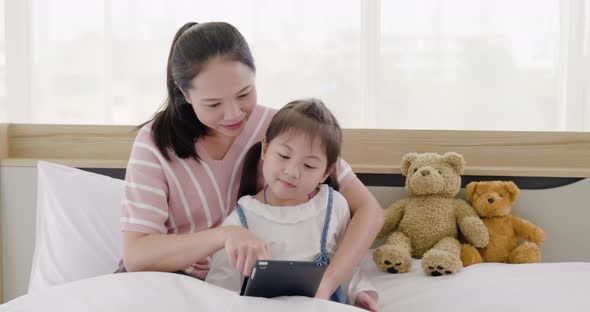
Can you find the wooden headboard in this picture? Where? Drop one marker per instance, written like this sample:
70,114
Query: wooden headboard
488,153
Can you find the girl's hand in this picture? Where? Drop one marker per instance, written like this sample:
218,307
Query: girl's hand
365,301
244,248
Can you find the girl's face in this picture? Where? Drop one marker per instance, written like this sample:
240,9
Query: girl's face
293,166
223,96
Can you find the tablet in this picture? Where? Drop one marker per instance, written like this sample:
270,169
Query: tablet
275,278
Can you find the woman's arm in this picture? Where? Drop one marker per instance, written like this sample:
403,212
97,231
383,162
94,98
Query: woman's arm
168,252
366,221
172,252
223,274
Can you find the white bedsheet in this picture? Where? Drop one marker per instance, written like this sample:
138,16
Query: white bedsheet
486,287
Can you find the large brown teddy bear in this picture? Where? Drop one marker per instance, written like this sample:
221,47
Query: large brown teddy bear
493,202
429,219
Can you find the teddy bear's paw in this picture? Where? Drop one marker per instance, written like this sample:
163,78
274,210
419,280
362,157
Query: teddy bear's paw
475,231
537,236
439,263
526,253
392,260
470,255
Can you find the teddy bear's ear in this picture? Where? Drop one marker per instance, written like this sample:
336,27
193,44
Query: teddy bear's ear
470,190
456,161
407,162
512,189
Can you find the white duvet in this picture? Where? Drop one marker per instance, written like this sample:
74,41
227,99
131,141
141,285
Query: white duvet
489,287
483,287
157,292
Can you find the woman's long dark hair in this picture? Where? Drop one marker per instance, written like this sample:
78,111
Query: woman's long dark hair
176,125
310,116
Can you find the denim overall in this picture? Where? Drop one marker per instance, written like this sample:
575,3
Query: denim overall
338,295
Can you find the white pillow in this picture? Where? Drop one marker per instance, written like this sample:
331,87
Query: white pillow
78,234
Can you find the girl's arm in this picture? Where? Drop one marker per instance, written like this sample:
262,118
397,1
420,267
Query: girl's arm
172,252
367,220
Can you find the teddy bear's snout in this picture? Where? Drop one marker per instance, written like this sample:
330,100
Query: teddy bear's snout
491,205
424,172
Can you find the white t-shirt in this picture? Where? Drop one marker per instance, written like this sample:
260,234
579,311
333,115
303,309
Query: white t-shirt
293,233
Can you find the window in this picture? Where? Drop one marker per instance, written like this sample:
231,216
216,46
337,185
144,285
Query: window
432,64
465,64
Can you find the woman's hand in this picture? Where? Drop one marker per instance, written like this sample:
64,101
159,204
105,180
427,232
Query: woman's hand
327,287
364,301
244,248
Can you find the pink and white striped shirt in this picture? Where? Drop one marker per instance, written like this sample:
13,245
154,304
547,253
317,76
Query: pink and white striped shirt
184,195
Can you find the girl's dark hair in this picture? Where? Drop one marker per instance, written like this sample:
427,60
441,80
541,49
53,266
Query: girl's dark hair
176,125
311,117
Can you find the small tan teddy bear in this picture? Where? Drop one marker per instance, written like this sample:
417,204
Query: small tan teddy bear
493,202
430,218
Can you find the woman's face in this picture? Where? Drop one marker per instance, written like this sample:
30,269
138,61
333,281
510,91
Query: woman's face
223,96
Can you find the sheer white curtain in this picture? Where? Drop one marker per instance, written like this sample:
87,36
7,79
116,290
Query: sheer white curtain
497,65
431,64
464,64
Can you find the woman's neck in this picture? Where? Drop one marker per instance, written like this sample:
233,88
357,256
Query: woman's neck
217,145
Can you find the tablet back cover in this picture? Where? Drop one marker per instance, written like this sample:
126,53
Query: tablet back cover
284,278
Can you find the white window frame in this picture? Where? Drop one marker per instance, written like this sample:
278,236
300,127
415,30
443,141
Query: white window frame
573,77
370,57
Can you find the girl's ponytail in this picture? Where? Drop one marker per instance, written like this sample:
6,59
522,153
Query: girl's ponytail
249,179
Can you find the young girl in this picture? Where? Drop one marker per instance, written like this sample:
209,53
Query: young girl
298,213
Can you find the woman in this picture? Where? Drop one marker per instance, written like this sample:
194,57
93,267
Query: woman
182,177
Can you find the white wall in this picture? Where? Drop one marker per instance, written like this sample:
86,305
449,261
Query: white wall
18,193
562,212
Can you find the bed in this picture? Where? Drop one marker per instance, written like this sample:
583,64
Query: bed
69,235
77,246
